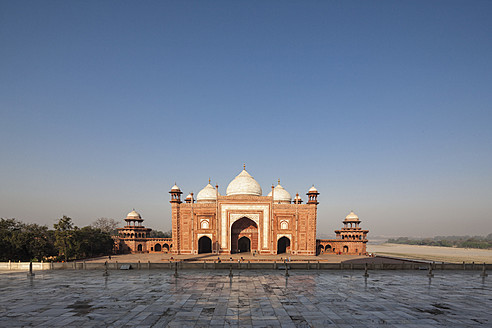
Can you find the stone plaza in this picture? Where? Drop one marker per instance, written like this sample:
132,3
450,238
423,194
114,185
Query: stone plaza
267,298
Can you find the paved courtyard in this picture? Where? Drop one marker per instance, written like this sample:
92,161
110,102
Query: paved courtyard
251,298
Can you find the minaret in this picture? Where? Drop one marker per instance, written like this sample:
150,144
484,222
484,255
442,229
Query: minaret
312,195
175,213
175,194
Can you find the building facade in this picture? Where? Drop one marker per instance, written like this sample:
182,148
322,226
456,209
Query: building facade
243,221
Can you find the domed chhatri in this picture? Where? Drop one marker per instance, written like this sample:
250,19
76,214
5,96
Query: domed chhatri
207,194
133,216
280,195
244,184
313,189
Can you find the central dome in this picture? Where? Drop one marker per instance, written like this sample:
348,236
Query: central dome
244,184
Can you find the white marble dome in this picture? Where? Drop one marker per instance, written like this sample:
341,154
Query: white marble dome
175,188
352,216
280,195
207,194
133,214
313,189
244,184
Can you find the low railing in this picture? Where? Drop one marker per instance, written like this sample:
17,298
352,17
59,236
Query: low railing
253,265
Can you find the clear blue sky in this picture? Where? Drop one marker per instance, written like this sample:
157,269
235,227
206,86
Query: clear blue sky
386,106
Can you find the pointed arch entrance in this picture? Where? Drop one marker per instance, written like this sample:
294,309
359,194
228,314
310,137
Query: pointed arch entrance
283,245
244,235
204,245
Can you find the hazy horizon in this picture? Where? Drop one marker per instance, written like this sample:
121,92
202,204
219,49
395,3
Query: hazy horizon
384,106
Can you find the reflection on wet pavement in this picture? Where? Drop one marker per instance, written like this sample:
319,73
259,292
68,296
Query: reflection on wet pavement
154,298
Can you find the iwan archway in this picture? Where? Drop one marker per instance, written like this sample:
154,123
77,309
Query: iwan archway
244,236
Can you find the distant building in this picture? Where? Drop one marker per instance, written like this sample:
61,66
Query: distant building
135,238
243,221
351,239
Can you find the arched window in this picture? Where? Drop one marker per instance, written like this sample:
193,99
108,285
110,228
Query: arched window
204,224
165,248
284,225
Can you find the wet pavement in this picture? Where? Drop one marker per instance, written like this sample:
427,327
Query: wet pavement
155,298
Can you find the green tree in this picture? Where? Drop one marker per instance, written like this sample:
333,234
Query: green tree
7,229
90,242
64,237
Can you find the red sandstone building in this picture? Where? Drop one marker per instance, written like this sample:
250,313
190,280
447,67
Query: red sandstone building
243,221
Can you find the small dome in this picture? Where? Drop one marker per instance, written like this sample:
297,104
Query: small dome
297,197
133,214
313,189
207,194
189,196
244,184
175,188
280,195
351,216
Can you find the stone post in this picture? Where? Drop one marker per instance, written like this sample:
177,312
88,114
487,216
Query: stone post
484,273
30,274
430,274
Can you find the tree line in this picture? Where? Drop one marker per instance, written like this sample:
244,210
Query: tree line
481,242
33,242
